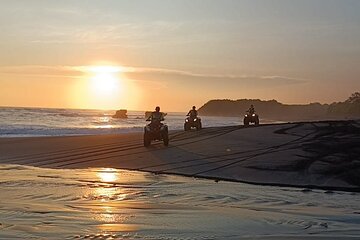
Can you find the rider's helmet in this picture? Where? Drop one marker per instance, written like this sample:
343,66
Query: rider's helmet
157,109
193,107
252,106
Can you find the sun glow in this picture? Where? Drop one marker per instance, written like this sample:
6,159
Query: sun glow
106,81
105,87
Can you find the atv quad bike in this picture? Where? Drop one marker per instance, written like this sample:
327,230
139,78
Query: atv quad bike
156,131
192,123
251,118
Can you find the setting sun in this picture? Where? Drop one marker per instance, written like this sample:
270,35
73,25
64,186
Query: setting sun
104,87
106,81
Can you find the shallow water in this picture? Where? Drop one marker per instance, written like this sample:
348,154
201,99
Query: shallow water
115,204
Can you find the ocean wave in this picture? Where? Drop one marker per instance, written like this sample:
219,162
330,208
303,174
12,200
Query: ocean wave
84,114
69,114
30,132
19,122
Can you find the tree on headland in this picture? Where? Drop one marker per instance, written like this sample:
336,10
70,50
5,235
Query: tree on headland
354,98
273,109
349,108
270,109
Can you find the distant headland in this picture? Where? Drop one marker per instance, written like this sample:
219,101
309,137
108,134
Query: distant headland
275,110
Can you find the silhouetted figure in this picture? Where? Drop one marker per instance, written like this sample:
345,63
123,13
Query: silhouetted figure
193,113
251,110
156,130
193,121
156,117
251,116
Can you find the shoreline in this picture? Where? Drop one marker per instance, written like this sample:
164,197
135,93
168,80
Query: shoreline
273,122
311,155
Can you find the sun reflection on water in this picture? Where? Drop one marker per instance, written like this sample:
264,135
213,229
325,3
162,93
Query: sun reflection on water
109,198
104,119
109,191
103,122
108,175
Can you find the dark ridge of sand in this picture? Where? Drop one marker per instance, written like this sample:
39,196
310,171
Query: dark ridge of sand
324,155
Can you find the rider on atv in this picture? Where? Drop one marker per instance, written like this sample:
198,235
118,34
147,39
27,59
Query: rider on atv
251,110
193,121
251,116
156,117
193,113
156,131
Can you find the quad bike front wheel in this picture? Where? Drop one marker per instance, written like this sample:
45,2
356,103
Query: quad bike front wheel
147,140
246,122
186,126
166,138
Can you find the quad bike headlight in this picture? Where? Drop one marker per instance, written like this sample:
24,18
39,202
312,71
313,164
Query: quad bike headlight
246,115
195,119
253,115
186,120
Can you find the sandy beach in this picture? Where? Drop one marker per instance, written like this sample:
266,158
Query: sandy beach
261,102
322,155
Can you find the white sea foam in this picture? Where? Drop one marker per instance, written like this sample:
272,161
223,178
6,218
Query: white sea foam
19,122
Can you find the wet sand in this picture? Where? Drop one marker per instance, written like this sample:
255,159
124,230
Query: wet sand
40,203
323,155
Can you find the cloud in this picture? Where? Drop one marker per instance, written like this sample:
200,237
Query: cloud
158,77
164,75
41,71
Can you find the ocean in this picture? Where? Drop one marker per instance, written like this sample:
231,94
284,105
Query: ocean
33,122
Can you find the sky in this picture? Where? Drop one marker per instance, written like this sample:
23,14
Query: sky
138,54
